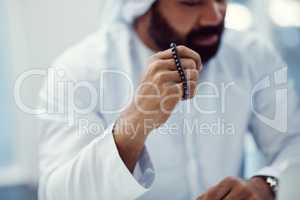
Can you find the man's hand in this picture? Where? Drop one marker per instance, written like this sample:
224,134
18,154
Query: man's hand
159,91
161,88
235,189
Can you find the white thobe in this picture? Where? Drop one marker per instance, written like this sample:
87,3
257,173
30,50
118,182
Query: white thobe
201,143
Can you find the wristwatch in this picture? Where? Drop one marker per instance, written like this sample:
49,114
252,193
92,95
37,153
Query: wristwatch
272,182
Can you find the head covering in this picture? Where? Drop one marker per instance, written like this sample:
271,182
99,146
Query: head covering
123,10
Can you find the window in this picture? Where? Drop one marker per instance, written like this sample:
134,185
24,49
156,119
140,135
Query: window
5,105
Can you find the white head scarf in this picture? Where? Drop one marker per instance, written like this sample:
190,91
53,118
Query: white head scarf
123,10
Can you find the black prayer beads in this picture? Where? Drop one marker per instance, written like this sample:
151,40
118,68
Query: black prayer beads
180,70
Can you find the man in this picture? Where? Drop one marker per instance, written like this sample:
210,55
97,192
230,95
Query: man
150,143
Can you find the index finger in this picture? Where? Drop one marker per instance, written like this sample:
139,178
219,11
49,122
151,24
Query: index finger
220,190
183,52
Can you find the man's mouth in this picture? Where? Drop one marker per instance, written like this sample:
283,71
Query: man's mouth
207,40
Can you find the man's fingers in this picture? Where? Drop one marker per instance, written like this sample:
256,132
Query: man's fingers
169,64
192,75
167,77
177,89
174,90
221,190
217,192
174,76
239,192
188,63
192,88
166,54
162,65
226,187
183,52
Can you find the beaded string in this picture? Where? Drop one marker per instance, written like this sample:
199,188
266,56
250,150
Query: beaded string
180,70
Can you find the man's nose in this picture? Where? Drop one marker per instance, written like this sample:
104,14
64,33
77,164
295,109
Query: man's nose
211,16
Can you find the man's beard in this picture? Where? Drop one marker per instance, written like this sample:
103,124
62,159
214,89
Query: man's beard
163,34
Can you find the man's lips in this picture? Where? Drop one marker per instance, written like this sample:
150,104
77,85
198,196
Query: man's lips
206,40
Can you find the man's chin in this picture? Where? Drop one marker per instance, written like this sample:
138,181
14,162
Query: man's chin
207,41
206,52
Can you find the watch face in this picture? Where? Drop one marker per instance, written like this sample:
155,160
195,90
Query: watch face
273,182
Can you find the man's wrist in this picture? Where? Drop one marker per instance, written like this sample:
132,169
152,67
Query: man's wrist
133,123
262,187
129,130
129,141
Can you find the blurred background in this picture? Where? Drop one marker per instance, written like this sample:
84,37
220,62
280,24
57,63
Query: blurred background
34,32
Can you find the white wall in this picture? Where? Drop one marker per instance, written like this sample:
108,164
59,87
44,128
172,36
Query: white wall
40,30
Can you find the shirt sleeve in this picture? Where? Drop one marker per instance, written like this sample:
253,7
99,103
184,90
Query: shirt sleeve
78,157
144,170
274,120
95,171
278,147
